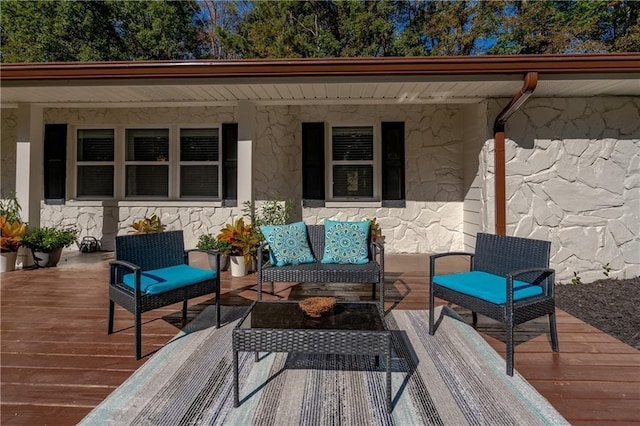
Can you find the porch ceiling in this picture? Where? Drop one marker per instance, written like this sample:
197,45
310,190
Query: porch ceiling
307,81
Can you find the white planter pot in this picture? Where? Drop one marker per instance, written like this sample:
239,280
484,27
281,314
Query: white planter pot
224,262
8,261
238,266
24,259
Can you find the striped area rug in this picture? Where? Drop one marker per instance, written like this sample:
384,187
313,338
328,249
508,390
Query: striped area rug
452,378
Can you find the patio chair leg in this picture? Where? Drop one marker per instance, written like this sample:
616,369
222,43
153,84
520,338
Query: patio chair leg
373,291
553,329
273,291
110,321
509,349
474,317
218,306
431,308
184,312
138,335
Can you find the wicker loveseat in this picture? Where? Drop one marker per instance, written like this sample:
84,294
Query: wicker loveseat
370,272
509,281
152,271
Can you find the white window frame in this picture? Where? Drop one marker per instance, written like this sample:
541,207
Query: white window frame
375,162
77,163
181,163
166,163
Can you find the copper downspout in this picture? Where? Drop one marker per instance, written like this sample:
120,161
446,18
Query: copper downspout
530,82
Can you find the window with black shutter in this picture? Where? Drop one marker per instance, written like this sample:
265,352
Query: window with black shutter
95,163
199,163
352,162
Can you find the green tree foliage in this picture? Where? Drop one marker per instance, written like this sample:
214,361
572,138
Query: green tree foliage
579,26
313,29
46,30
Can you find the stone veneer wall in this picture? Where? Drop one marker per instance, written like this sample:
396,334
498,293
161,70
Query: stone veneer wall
432,219
8,137
573,177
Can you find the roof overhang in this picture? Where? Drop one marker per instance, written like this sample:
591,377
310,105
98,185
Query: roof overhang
412,80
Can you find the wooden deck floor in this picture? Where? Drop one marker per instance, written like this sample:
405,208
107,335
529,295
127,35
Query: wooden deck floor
57,362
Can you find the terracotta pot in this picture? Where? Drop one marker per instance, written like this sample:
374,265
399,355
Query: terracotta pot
8,261
239,267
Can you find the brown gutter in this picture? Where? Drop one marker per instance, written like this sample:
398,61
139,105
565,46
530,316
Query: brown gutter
313,67
530,82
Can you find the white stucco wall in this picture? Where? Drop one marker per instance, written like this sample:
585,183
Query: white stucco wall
432,219
573,177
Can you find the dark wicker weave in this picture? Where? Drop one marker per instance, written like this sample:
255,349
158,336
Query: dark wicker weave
143,252
313,341
523,259
371,272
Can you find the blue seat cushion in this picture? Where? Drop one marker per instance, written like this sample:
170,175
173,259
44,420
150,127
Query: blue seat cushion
485,286
158,281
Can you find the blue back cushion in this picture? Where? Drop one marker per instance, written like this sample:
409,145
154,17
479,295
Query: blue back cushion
288,244
346,242
158,281
485,286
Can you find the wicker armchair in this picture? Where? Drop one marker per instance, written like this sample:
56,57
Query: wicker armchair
371,272
509,281
151,271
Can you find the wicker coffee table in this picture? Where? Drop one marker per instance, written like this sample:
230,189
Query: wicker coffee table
355,328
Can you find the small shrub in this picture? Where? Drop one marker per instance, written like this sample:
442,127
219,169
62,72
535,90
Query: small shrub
576,279
148,225
210,242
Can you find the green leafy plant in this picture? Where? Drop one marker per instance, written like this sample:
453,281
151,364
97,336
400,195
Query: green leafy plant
241,237
210,242
148,225
273,212
576,278
10,208
48,238
606,269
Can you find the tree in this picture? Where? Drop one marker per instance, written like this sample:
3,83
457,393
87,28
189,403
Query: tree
102,30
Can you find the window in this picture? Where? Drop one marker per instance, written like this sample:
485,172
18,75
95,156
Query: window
95,163
199,163
352,162
362,164
147,162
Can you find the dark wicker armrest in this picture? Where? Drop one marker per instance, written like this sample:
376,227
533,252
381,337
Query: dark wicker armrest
260,257
433,257
125,264
545,273
378,249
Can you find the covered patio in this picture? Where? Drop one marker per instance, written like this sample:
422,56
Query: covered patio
58,361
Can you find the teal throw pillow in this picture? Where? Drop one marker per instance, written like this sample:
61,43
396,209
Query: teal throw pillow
346,242
288,243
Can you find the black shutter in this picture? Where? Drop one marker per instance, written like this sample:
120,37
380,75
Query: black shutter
313,164
55,163
393,164
230,164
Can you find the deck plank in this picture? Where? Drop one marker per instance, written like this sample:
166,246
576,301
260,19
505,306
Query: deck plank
57,362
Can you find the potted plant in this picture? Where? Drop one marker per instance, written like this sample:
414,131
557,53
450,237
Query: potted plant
147,225
12,229
244,244
12,234
210,242
376,231
46,243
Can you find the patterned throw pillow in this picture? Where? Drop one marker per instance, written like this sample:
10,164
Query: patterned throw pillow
346,242
288,243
